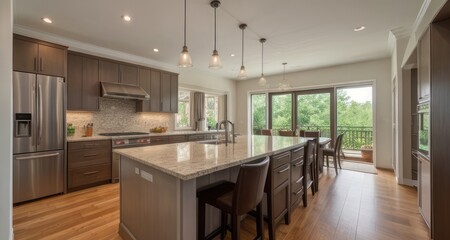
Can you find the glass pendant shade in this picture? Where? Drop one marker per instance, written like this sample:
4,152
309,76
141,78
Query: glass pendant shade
242,73
214,62
185,58
262,80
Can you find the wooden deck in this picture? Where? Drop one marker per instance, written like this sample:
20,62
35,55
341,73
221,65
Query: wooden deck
352,205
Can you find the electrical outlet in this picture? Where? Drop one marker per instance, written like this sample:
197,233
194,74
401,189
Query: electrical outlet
136,170
147,176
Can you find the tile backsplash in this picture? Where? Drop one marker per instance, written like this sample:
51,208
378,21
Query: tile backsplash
119,115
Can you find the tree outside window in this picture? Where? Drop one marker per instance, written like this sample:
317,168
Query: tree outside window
212,110
183,117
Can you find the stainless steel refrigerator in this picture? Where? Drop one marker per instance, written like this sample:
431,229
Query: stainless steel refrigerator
38,138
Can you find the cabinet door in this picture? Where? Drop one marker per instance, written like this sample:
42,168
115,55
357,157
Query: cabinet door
25,55
144,83
165,92
108,71
174,93
52,60
155,91
424,55
425,189
74,82
129,75
91,86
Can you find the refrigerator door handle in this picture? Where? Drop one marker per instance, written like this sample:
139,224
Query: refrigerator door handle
40,114
40,156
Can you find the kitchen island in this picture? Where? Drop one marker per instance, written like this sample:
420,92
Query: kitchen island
159,183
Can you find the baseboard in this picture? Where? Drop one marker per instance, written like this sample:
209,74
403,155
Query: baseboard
11,234
410,182
125,233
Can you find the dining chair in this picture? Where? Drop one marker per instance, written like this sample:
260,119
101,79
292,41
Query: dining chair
312,134
286,133
267,132
334,152
236,199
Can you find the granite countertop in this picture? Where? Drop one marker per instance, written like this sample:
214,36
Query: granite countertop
192,159
98,137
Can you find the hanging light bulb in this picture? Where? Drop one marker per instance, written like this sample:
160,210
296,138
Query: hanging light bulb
284,85
214,62
185,58
262,80
242,73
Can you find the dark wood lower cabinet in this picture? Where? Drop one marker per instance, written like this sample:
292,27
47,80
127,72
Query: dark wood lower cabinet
88,164
297,189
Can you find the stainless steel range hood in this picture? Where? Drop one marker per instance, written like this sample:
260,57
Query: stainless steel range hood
123,91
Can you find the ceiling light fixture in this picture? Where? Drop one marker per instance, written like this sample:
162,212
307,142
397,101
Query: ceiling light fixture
185,59
155,50
360,28
126,18
214,62
284,85
262,80
232,55
242,73
47,20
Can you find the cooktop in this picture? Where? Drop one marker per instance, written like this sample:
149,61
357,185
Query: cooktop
113,134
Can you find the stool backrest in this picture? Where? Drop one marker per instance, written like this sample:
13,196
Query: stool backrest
286,133
338,144
249,189
310,151
267,132
312,134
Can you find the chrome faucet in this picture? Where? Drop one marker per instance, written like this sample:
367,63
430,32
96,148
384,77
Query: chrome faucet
225,123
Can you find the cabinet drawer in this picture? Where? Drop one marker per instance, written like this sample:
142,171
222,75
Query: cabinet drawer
88,175
280,159
90,144
83,158
196,137
177,139
298,153
296,170
281,175
297,194
159,140
280,203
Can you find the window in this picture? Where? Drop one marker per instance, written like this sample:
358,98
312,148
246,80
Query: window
212,110
183,117
281,112
259,120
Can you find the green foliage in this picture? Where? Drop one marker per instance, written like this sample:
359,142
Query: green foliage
182,115
211,113
259,112
281,112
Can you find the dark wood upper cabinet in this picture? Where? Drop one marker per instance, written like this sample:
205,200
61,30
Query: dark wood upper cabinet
34,56
83,88
155,91
165,92
144,83
108,71
174,93
424,63
129,75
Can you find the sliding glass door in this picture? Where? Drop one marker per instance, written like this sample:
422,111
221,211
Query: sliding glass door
280,112
314,111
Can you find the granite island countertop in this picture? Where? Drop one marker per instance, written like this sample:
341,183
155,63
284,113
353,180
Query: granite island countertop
192,159
171,133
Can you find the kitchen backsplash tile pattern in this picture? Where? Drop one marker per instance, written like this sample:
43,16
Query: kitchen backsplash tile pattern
118,115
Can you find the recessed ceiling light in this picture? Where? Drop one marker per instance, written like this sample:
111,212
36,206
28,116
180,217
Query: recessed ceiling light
360,28
232,55
126,18
47,20
155,50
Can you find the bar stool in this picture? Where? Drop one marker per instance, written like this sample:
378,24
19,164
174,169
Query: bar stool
235,199
267,132
286,133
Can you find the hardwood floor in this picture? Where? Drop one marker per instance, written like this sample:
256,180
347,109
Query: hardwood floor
353,205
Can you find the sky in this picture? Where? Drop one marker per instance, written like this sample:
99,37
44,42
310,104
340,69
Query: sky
359,94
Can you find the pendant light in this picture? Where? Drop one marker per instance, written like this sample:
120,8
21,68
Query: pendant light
242,73
283,85
185,58
262,80
214,62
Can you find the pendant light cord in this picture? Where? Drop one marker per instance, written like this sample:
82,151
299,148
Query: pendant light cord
262,58
242,47
185,22
215,28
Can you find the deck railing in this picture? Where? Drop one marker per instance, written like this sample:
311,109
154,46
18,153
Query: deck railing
354,136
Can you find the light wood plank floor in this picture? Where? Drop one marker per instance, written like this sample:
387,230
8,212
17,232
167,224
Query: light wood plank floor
353,205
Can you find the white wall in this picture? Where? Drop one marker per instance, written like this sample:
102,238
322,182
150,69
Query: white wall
378,71
6,119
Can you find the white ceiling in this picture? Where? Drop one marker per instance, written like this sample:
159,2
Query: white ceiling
304,33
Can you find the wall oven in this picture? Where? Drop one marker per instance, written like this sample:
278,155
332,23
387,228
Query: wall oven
423,111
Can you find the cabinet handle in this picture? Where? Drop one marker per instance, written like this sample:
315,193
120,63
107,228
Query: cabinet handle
299,180
90,145
297,150
90,173
298,164
40,64
91,155
284,170
299,191
278,157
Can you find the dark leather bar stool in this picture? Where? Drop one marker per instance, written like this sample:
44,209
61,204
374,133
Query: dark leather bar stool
309,170
334,152
236,199
267,132
286,133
